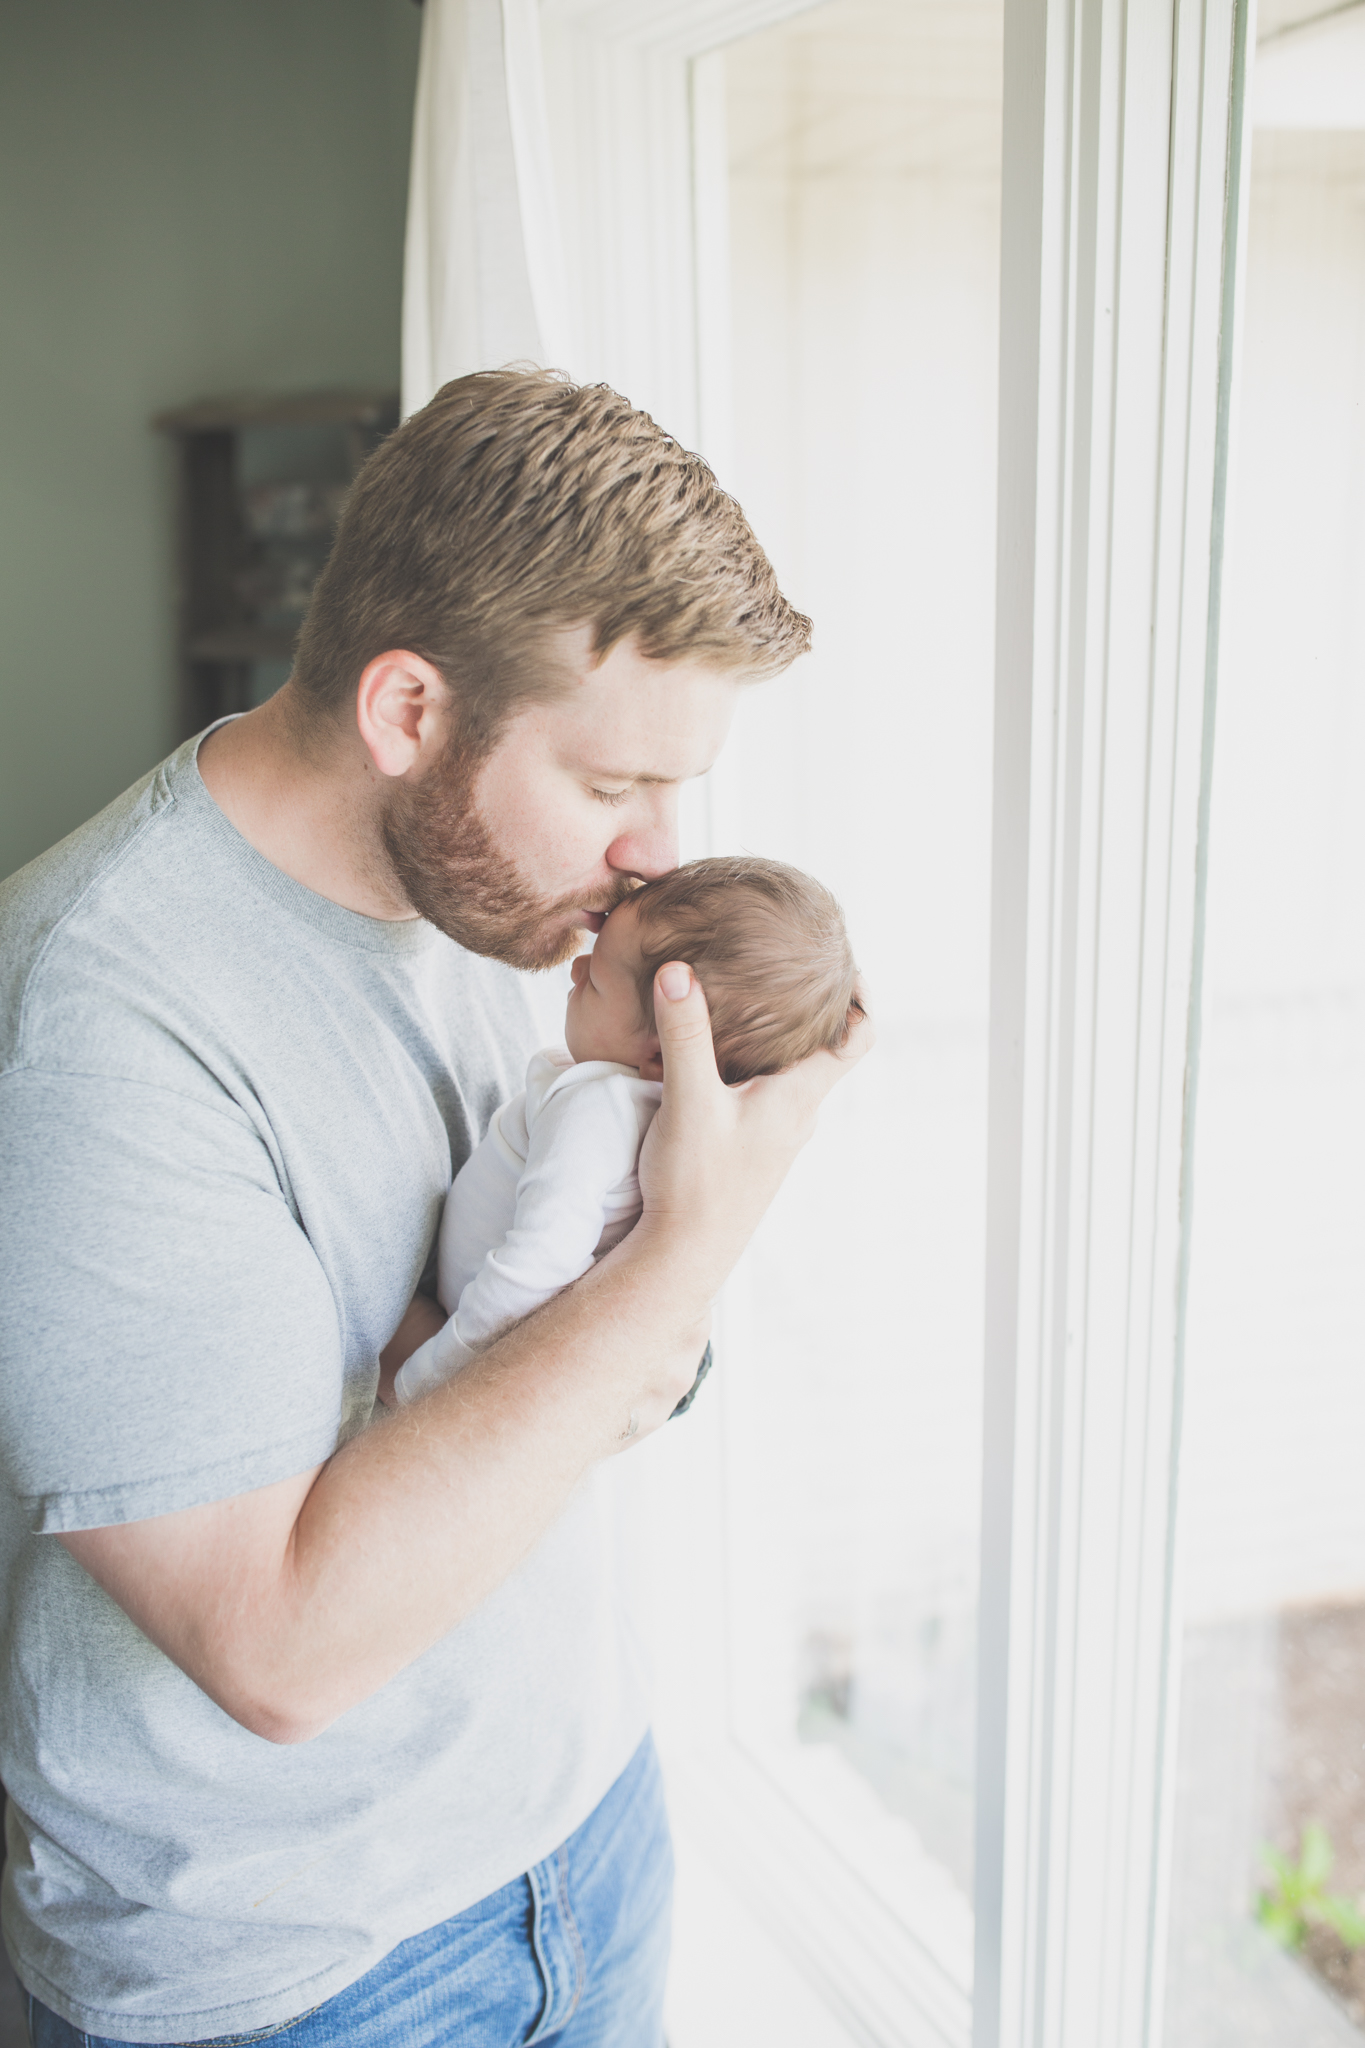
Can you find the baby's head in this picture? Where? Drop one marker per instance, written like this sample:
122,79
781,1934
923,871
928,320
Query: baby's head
766,943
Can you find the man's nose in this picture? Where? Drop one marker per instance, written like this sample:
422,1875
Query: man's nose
650,847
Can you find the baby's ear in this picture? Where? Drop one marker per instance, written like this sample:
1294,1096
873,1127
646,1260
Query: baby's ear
652,1066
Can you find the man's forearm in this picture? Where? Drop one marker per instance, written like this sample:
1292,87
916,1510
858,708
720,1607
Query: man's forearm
345,1575
453,1492
291,1604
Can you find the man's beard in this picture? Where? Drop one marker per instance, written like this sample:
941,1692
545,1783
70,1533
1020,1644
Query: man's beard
443,856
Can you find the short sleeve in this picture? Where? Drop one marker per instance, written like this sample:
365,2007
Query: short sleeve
167,1334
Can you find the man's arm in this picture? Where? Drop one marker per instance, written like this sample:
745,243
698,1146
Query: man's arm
290,1604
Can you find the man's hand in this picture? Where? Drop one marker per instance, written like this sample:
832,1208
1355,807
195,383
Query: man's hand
291,1604
715,1156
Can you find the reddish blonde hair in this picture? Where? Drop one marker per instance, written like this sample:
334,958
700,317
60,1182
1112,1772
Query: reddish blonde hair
768,946
517,503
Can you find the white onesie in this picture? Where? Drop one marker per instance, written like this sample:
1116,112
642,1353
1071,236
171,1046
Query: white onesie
552,1187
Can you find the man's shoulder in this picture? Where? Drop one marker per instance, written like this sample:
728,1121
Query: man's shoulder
46,905
125,940
155,944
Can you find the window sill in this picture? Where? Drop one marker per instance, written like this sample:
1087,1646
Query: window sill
798,1890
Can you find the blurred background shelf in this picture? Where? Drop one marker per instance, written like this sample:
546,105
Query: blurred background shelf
242,643
263,477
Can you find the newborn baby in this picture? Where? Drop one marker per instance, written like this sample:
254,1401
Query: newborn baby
554,1185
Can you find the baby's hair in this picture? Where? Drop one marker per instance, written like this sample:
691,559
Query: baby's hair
769,948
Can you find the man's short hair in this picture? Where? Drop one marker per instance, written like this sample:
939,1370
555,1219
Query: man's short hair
517,503
768,945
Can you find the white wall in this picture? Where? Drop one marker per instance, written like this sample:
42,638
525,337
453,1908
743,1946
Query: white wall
193,199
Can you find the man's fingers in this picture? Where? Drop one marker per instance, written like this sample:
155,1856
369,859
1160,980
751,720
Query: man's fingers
683,1023
811,1079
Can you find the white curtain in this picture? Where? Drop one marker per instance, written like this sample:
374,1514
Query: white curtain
483,277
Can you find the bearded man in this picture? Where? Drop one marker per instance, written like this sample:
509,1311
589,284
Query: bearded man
318,1722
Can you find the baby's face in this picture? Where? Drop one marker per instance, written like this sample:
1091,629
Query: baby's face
603,1021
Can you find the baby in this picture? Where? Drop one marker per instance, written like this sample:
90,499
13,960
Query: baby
554,1186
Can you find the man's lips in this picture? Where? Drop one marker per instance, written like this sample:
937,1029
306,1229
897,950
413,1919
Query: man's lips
592,920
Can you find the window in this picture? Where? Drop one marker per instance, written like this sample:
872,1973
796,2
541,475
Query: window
812,1663
1273,1717
864,198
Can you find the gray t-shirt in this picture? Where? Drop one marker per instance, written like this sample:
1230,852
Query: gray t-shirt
229,1114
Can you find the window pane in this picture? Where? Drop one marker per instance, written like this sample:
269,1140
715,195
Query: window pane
864,151
1273,1716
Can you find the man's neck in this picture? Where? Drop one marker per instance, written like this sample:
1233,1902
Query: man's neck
313,813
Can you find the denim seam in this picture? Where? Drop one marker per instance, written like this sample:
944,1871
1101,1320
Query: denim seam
259,2034
580,1959
540,1949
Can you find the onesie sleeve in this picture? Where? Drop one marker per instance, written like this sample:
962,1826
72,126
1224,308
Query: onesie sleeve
583,1144
482,1203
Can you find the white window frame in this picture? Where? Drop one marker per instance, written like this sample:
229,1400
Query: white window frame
1122,170
1121,236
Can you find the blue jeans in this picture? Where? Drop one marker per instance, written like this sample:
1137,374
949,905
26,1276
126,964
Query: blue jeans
573,1953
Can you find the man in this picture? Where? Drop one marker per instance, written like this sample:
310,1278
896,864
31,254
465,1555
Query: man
319,1727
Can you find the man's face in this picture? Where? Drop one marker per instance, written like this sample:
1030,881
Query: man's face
577,801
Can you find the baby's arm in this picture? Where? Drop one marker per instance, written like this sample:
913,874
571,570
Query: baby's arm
584,1143
482,1204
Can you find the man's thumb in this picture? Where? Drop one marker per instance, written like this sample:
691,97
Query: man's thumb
683,1023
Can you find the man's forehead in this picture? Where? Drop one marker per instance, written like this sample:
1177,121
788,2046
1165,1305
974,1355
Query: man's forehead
633,720
673,750
635,693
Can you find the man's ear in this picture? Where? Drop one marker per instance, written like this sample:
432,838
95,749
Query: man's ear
402,708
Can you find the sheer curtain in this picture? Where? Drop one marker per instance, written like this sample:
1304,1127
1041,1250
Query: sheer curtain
483,271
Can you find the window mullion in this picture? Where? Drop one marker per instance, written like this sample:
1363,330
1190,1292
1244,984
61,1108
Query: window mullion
1116,155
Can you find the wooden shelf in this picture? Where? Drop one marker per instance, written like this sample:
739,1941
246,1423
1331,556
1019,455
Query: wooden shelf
363,408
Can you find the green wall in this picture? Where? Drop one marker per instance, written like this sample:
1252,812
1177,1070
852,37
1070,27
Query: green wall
195,196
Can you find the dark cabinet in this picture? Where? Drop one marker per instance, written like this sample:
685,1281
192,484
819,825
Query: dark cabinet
261,484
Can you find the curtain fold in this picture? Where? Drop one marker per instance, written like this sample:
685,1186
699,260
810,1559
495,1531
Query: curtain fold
483,279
